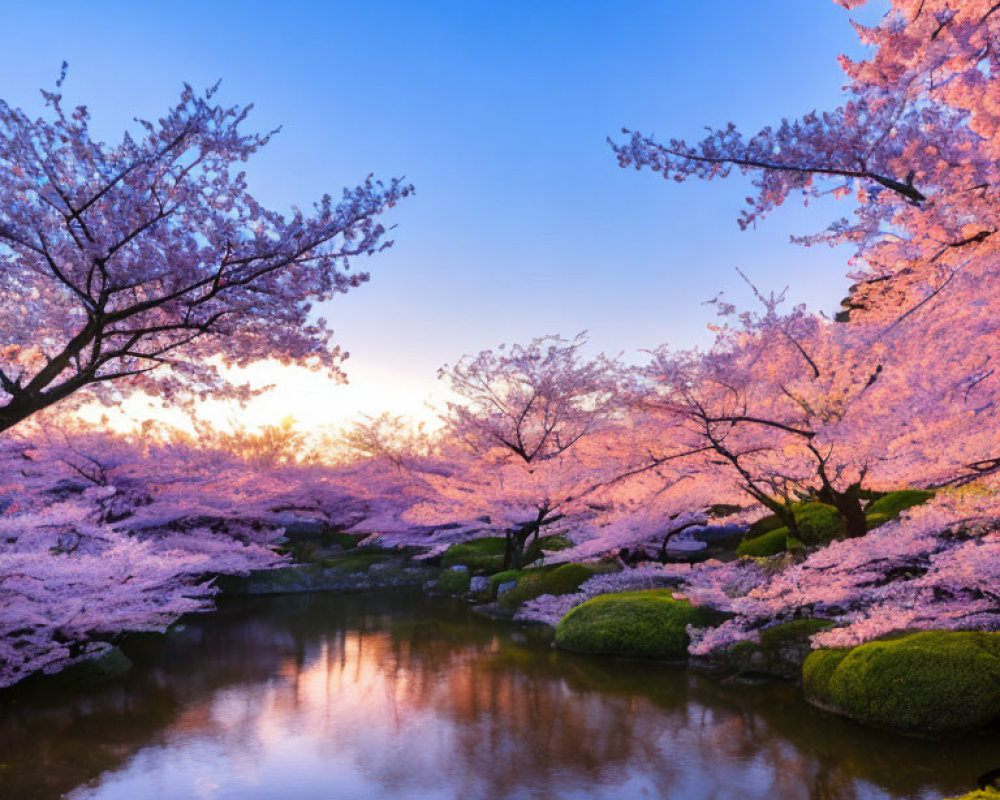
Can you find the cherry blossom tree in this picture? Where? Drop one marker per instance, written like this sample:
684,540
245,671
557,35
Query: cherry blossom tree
148,264
794,406
936,568
914,143
99,535
525,427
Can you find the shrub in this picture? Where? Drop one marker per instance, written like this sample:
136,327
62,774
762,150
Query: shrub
894,503
646,624
928,682
454,581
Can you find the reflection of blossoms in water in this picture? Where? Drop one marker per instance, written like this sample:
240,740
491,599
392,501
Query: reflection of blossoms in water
407,697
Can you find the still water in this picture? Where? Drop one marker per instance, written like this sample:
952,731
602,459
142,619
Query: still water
321,697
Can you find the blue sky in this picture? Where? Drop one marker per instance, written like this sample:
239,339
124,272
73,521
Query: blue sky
522,223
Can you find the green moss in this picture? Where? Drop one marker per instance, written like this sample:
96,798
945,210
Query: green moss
646,624
929,682
765,525
875,520
979,794
563,579
454,581
536,549
507,576
346,540
894,503
817,670
768,544
555,542
479,555
819,523
780,652
111,665
778,636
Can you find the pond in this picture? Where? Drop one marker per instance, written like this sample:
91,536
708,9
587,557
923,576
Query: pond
396,695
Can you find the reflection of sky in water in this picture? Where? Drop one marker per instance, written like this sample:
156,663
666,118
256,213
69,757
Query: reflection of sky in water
380,706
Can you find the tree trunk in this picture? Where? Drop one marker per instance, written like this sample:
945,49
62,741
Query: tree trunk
848,503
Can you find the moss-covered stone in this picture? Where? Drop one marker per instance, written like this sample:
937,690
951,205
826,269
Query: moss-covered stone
767,544
779,654
507,576
894,503
644,624
111,665
454,581
933,682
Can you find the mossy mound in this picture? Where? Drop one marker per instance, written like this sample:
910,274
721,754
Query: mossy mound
933,682
895,503
532,583
819,523
454,581
507,576
767,544
979,794
555,542
817,670
765,525
644,624
479,555
536,549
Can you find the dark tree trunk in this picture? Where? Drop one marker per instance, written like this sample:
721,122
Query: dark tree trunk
848,503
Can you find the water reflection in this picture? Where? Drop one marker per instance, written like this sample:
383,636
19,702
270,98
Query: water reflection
405,697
